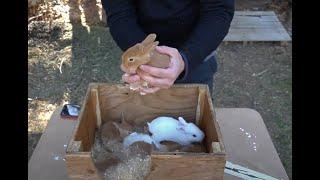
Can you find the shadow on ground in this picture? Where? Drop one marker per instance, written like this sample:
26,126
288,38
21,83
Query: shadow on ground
61,68
93,57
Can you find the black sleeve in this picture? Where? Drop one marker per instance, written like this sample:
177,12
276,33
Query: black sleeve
122,22
212,27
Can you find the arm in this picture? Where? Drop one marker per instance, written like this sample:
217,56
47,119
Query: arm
213,26
122,21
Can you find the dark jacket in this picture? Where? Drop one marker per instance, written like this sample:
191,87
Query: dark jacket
195,28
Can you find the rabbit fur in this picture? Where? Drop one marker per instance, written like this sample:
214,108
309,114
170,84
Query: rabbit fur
143,53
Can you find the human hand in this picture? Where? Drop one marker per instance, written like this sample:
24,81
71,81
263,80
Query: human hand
130,78
159,78
135,82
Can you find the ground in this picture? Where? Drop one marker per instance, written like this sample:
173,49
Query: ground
64,59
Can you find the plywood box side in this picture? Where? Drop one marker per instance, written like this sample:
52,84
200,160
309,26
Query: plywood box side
84,131
137,109
215,122
209,125
75,137
80,166
96,105
200,104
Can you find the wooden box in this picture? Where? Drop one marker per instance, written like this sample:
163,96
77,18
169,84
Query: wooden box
105,102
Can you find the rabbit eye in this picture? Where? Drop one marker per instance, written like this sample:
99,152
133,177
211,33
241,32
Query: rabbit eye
194,135
131,59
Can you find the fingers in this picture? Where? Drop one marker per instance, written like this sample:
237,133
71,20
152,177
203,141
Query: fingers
167,50
154,81
144,91
157,72
130,78
163,83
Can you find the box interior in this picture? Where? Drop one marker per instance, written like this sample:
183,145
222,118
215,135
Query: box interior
107,102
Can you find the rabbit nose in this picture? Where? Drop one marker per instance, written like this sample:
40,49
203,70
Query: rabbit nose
127,70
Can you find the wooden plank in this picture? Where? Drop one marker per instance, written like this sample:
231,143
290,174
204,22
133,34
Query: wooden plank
261,25
240,147
254,13
215,123
47,161
186,166
209,125
96,104
85,129
80,135
256,26
200,105
256,31
255,19
181,100
255,35
81,167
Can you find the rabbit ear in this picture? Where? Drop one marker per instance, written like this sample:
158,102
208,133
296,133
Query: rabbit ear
149,39
182,121
150,47
139,46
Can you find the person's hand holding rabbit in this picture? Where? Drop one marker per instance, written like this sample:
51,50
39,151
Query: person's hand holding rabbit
158,78
134,60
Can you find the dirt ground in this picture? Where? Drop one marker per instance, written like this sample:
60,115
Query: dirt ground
64,59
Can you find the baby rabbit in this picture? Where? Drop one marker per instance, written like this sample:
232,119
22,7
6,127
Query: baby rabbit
143,53
167,129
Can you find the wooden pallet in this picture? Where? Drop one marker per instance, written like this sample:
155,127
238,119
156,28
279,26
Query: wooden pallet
256,26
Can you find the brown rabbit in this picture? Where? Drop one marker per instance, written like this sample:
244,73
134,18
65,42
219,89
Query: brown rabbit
143,53
116,130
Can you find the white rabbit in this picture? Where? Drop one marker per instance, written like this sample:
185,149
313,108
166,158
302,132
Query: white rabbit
137,137
169,129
